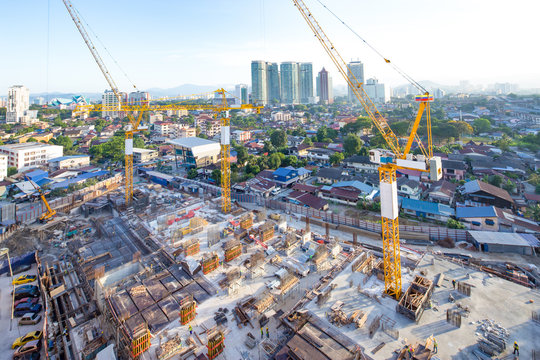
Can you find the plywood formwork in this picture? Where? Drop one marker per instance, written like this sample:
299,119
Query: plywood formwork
187,309
265,302
413,301
233,249
246,221
215,344
191,247
210,263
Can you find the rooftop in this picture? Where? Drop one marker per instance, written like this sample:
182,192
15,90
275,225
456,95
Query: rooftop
27,145
191,142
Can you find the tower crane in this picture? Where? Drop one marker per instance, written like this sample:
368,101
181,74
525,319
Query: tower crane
221,109
134,123
50,213
140,108
389,160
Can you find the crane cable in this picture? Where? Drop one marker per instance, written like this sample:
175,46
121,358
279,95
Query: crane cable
395,67
104,47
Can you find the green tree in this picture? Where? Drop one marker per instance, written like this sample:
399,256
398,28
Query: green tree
192,173
307,141
274,161
454,224
481,125
509,186
495,180
400,128
12,170
462,128
533,212
336,158
216,175
322,133
31,139
279,138
241,154
64,141
352,144
289,160
503,143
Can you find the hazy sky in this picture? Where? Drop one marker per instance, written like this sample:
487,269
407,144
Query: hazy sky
212,42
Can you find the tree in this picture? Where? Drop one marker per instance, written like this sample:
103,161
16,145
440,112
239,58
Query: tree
322,133
400,128
509,186
274,161
192,173
352,144
279,138
290,160
462,127
503,144
336,158
454,224
63,141
481,125
12,170
533,212
31,139
307,141
241,154
216,175
495,180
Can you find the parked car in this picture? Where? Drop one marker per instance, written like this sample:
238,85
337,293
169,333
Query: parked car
26,291
17,269
24,279
27,349
26,300
25,308
31,336
30,319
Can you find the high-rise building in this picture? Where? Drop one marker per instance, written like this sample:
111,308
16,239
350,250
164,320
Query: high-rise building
306,83
18,103
273,82
110,101
241,93
259,86
290,89
355,68
139,98
378,93
324,87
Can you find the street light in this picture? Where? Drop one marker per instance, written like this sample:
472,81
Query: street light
5,251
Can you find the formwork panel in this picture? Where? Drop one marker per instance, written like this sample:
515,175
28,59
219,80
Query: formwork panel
133,322
141,297
123,305
198,293
155,318
171,284
156,289
170,307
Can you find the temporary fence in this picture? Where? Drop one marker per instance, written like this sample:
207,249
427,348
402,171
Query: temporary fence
435,233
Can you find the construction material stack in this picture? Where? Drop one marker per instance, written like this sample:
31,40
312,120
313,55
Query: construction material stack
210,263
233,249
169,349
215,344
415,299
187,310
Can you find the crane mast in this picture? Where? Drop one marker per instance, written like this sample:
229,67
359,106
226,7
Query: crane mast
389,161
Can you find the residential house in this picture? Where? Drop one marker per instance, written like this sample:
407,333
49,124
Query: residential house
442,192
285,176
408,188
310,189
453,169
68,162
144,155
319,154
426,209
330,175
241,136
341,195
492,218
478,193
307,200
361,163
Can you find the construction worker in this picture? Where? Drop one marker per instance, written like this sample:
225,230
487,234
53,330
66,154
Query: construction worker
190,330
267,333
435,346
454,283
262,333
516,348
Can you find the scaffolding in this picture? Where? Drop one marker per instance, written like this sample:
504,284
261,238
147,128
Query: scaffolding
233,249
246,221
415,299
215,344
266,231
265,302
210,263
191,247
187,310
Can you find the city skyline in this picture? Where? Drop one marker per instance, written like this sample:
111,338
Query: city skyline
185,53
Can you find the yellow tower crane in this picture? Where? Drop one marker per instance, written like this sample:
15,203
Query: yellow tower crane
220,109
389,160
134,123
